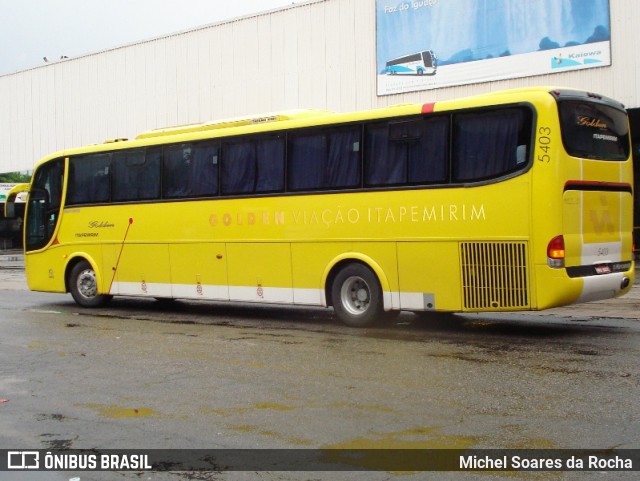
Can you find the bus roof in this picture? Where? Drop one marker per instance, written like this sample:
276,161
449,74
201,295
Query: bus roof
298,118
234,122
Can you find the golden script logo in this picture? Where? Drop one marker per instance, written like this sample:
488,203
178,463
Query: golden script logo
585,121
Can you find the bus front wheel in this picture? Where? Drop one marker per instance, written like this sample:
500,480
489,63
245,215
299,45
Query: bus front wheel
357,296
84,286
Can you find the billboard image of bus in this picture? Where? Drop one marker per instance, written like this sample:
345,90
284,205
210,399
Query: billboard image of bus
421,63
509,201
484,41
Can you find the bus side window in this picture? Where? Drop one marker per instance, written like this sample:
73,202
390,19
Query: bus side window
253,166
490,144
428,158
409,152
270,154
381,157
136,175
204,174
191,170
176,170
89,180
238,167
325,159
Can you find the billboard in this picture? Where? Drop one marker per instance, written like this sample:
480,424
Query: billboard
428,44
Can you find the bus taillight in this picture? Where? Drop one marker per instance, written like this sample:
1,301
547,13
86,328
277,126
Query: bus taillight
556,252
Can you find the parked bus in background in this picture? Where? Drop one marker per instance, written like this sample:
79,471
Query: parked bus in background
421,63
509,201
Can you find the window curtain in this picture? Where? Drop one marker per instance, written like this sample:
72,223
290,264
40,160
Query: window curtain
486,144
325,160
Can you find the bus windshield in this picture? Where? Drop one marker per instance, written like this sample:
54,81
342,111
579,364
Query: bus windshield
44,205
594,131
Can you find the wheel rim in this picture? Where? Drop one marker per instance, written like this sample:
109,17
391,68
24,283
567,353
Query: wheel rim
86,283
355,295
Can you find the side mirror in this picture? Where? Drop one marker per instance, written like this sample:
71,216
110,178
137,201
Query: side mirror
10,207
12,196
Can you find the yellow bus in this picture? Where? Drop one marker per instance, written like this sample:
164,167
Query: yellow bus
510,201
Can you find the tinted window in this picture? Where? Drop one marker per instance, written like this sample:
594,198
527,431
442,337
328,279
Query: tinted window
328,159
191,170
407,152
253,166
594,131
490,144
89,181
136,174
43,208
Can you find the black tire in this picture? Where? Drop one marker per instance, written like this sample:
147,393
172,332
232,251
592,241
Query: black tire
84,287
357,296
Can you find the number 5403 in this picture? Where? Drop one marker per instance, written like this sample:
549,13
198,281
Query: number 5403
544,144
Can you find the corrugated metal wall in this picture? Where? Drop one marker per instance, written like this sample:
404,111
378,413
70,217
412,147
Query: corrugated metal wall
319,54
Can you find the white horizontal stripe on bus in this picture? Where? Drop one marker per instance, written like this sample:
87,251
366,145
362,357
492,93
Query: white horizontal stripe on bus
412,300
278,295
141,289
309,297
601,253
275,295
200,291
391,300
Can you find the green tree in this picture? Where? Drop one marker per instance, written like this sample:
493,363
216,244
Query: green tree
15,177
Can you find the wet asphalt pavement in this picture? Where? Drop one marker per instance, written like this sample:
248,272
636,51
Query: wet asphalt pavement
143,374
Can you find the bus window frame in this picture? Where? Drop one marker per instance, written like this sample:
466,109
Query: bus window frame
362,124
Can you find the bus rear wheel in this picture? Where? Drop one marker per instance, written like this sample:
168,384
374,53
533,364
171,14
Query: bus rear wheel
84,286
357,296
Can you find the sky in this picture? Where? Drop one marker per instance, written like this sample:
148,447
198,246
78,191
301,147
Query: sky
33,29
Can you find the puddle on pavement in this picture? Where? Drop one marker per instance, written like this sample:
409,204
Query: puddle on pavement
289,440
414,438
228,412
370,449
363,407
274,406
120,412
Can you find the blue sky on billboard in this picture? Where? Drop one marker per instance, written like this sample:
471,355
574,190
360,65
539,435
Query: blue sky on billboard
32,30
468,30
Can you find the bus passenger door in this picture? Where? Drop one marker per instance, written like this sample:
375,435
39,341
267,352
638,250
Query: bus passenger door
199,271
260,272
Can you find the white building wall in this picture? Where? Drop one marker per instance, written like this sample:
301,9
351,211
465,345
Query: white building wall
319,54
